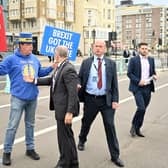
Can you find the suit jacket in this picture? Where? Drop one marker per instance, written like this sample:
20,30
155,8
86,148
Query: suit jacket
112,94
63,97
134,73
126,53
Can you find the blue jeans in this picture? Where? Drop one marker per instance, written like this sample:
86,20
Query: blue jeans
17,108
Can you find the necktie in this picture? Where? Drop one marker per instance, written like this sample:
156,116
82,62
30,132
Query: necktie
54,78
99,83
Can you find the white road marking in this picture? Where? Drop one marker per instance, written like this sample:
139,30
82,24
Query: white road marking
2,82
49,129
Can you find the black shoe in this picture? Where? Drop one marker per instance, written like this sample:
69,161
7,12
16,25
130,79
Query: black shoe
6,160
81,146
32,154
58,166
133,131
138,133
74,165
118,162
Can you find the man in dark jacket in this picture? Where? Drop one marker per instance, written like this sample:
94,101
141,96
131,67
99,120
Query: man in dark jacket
141,72
99,92
126,54
64,100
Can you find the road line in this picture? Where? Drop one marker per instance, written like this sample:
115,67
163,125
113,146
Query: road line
2,82
162,86
8,105
124,79
49,129
46,97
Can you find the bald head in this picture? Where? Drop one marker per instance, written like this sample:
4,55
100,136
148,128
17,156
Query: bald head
100,42
99,48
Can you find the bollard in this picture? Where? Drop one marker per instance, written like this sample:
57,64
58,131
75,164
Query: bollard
7,87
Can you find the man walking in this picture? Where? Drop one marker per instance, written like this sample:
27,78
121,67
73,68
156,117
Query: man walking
141,72
99,92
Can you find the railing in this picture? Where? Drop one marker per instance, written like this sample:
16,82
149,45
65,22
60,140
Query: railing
161,63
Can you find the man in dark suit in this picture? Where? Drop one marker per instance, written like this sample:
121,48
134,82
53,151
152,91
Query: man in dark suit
141,72
64,100
99,92
126,54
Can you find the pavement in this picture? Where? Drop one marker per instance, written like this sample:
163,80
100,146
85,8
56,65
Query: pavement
148,152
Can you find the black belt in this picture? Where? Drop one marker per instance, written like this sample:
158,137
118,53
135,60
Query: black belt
96,96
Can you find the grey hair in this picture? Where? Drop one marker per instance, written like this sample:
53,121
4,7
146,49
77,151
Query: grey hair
62,51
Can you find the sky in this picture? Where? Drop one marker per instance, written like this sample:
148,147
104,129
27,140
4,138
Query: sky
153,2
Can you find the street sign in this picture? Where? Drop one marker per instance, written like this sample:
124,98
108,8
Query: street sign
54,37
3,46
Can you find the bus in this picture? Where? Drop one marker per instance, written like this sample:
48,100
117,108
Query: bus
12,42
11,39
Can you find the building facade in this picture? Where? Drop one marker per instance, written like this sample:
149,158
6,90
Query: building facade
99,20
91,18
4,4
142,22
32,16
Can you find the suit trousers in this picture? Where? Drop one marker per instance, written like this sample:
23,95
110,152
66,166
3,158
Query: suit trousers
142,98
67,145
92,106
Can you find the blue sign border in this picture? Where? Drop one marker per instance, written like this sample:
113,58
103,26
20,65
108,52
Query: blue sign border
54,37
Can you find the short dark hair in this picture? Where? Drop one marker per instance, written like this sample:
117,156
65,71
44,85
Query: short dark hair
141,44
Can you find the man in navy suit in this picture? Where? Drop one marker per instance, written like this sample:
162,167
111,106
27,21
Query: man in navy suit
141,72
99,92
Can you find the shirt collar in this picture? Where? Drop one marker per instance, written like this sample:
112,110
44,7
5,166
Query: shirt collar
62,63
95,57
142,57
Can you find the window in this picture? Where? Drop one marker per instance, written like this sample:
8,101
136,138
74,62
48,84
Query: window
109,1
89,22
128,26
109,14
24,24
138,25
109,26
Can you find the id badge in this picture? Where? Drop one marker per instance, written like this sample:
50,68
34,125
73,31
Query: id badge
94,79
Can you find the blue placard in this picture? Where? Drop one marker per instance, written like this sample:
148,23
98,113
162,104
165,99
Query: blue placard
54,37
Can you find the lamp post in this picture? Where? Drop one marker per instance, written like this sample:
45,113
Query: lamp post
93,35
134,43
13,41
153,41
113,38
